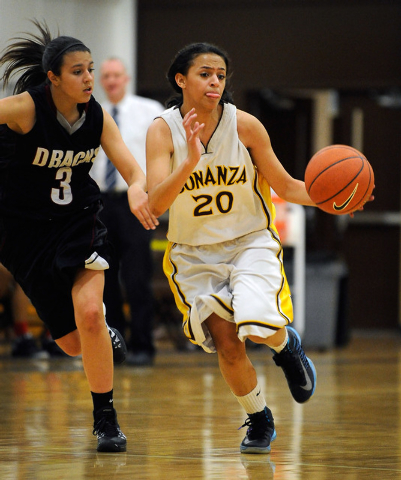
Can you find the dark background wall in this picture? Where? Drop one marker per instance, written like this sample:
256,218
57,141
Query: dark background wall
284,46
282,43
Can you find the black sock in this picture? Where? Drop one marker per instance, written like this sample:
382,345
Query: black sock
102,400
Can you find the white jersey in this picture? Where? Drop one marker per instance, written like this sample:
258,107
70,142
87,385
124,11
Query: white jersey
224,197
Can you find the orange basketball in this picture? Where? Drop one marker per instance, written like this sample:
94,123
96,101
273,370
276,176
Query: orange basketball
339,179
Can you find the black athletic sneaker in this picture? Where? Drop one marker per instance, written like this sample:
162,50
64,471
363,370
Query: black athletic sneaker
298,368
109,436
118,344
260,433
25,346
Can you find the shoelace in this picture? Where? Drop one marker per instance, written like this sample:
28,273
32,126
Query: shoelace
297,373
246,424
302,355
256,429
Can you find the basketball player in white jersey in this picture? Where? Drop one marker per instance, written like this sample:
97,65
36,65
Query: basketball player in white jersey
212,166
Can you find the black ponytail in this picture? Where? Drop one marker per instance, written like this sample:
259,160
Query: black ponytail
35,55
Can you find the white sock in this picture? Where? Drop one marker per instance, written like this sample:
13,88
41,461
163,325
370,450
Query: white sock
254,401
283,345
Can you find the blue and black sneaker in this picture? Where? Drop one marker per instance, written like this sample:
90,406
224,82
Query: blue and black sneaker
260,432
297,367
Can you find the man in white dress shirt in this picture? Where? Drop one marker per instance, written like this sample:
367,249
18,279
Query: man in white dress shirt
131,271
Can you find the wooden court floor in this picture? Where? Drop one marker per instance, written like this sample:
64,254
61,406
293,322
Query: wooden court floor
182,422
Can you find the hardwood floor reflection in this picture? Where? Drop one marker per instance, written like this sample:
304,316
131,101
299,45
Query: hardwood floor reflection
182,422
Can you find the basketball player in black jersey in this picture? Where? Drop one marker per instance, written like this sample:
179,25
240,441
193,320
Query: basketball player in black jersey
51,238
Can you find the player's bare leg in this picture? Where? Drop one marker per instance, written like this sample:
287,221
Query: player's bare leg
240,375
93,340
87,295
234,363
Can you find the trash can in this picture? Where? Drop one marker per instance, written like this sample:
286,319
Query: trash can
325,303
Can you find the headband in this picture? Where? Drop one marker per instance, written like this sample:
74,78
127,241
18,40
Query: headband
76,44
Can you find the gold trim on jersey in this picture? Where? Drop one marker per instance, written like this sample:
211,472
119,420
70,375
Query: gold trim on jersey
183,306
258,323
283,296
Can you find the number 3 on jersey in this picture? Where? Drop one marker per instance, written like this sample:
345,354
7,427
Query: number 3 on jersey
63,194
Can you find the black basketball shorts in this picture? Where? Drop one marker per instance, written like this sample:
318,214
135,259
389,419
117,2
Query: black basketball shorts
44,257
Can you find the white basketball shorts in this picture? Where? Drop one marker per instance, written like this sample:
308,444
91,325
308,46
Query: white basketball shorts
242,281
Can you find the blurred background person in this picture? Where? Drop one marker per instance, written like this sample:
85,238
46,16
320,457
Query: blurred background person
16,307
130,275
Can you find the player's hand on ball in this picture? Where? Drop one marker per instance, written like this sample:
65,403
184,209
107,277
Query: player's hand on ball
370,199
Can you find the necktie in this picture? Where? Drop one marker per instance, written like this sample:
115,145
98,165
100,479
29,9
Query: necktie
111,173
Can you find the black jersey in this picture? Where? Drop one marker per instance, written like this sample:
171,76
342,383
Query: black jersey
44,174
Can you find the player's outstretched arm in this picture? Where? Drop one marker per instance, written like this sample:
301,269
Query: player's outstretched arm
254,136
